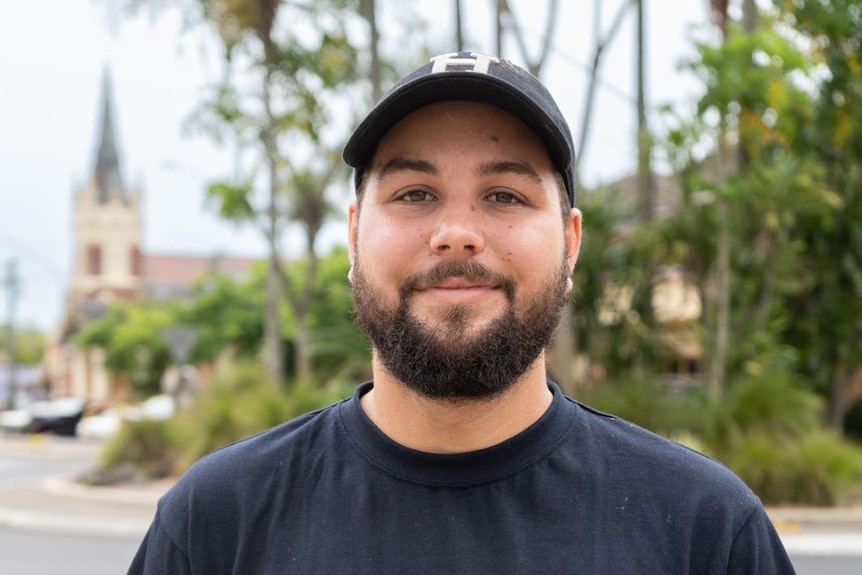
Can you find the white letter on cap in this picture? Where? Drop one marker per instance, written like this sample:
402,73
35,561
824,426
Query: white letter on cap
479,62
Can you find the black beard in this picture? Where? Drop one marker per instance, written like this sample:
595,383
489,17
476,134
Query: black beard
446,363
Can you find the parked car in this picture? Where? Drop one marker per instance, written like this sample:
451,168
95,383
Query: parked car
15,420
59,416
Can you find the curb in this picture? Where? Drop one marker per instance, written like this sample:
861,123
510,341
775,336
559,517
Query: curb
823,544
74,524
39,445
148,495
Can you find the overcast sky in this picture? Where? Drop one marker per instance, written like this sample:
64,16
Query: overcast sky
52,55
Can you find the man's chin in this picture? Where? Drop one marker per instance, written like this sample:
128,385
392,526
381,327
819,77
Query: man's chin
457,322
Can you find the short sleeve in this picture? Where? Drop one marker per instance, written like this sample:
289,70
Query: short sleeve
757,549
158,554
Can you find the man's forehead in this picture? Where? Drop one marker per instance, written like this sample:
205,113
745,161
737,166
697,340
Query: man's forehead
504,166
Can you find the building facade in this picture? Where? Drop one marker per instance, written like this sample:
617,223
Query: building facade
110,266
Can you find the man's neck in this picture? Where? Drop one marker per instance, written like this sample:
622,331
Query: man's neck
446,426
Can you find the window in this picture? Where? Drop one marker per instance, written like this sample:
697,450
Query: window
94,260
136,261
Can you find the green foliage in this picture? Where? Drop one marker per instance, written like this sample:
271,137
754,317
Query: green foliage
131,334
612,271
232,200
750,85
767,430
228,315
770,401
829,309
650,404
150,446
340,350
29,346
818,468
241,403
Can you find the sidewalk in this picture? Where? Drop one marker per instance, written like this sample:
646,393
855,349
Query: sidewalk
819,531
58,505
61,505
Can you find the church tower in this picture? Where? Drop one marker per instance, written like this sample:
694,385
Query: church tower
108,264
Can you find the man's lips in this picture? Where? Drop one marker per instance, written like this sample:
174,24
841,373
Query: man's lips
458,283
458,290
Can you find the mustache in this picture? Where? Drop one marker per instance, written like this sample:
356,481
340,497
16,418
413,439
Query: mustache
467,269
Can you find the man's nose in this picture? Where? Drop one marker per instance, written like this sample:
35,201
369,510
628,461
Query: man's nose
458,231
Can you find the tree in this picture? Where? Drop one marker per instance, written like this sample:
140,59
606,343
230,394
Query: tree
828,319
131,335
292,72
29,345
282,61
747,205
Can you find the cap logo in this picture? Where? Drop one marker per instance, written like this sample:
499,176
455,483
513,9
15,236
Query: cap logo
477,62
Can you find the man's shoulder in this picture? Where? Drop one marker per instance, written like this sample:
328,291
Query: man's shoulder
652,459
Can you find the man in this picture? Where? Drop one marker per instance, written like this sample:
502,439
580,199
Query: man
460,457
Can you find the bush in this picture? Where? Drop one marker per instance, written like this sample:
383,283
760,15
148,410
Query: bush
240,403
818,469
648,404
772,402
148,445
767,429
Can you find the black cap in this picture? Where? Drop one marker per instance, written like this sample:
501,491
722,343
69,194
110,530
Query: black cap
474,77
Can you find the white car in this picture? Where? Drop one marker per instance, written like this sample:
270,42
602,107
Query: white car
107,423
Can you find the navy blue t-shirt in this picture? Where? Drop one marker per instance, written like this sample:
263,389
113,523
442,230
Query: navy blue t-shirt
577,492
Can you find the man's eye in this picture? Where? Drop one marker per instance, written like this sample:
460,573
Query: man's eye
415,196
503,198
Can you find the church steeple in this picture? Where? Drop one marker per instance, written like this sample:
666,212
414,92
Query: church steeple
107,170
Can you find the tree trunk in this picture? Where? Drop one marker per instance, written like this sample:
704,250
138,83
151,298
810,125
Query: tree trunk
718,366
273,351
645,185
718,358
837,390
533,65
369,9
272,342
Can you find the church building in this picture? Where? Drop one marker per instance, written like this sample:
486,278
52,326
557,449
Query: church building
110,265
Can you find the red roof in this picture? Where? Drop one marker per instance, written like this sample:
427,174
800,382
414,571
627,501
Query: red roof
183,271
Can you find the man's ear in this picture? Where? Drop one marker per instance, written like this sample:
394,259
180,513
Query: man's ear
573,238
352,235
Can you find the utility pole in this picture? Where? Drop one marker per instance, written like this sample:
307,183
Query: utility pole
11,283
459,26
498,26
645,186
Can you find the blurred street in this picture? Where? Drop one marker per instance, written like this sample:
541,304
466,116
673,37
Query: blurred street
50,525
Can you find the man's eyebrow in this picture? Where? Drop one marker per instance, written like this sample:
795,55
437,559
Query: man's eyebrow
510,167
401,164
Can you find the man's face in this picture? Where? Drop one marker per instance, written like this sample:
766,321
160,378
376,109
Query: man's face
460,261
